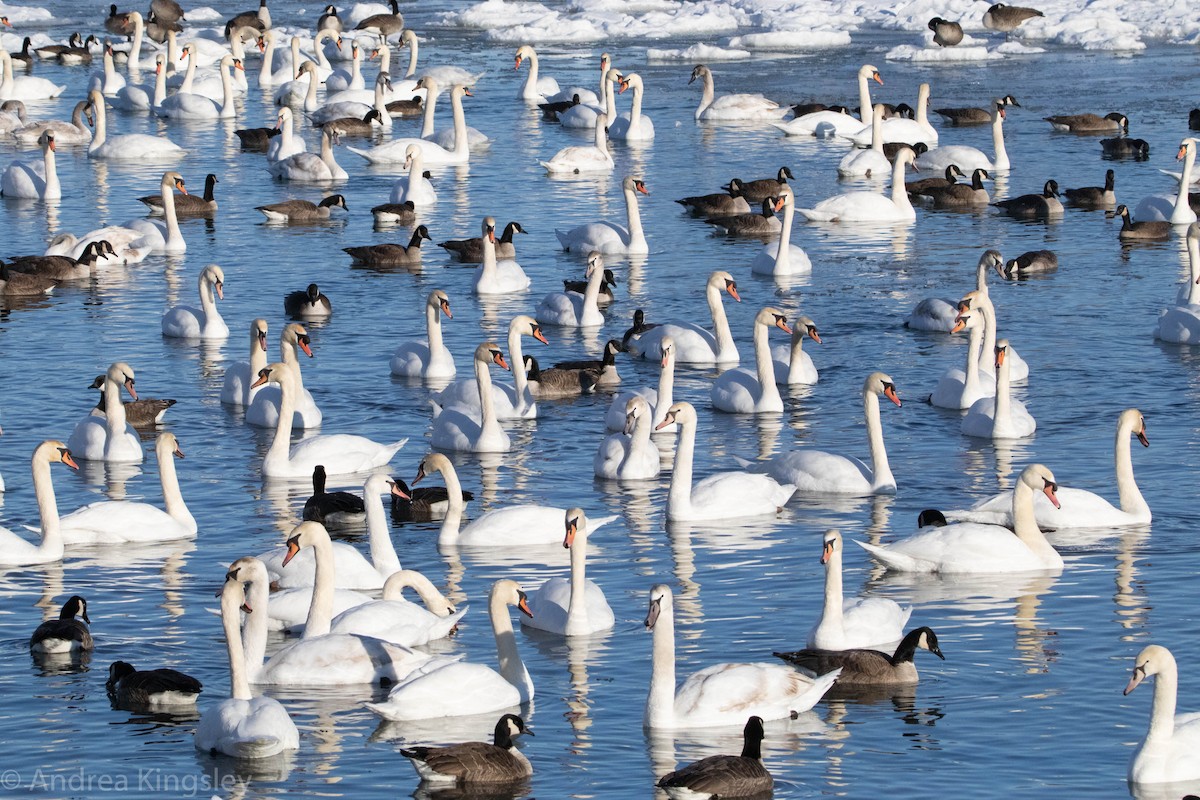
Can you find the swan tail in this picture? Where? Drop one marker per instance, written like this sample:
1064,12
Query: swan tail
563,239
744,463
893,560
258,747
812,215
595,524
364,153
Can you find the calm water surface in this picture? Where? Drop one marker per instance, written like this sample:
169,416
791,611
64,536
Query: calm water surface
1028,701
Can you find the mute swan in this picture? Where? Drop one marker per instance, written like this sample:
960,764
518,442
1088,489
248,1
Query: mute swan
396,151
397,620
822,472
573,606
429,357
981,301
415,187
536,87
782,257
659,399
1084,509
129,147
443,137
120,521
899,129
939,315
238,377
634,126
287,143
302,90
834,123
16,551
109,438
967,548
35,180
163,236
474,763
457,429
730,107
739,391
862,622
574,310
870,162
263,411
869,206
863,668
308,168
445,687
999,417
497,277
513,401
722,694
792,365
186,105
1176,210
630,455
725,495
185,322
25,87
74,132
1180,323
693,344
961,388
609,237
580,159
1168,753
243,725
583,114
969,159
341,79
341,453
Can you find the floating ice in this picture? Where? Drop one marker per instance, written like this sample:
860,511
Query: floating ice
943,55
22,14
786,41
697,53
204,14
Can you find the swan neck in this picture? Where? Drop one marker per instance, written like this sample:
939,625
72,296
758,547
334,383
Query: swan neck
189,75
881,470
520,378
971,384
1162,711
1131,498
280,445
114,412
174,236
433,327
1001,161
724,337
489,425
412,57
320,609
831,615
1002,412
577,610
1026,528
427,117
666,390
635,108
531,80
455,504
460,124
512,669
706,97
899,193
253,642
239,684
53,188
783,249
765,367
1193,245
43,487
172,496
660,703
679,498
1183,212
865,110
987,348
100,132
637,237
379,538
877,132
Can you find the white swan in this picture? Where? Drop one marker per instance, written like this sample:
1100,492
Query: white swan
187,105
36,180
781,257
302,90
633,126
582,115
940,315
309,168
630,455
725,495
835,123
1175,210
429,357
238,377
25,87
352,79
1168,753
263,411
730,107
129,147
967,548
186,322
415,186
859,623
497,277
574,310
981,301
397,620
163,236
961,388
1084,509
1002,416
340,454
580,159
16,551
396,151
513,400
1180,323
659,399
792,365
447,688
445,138
899,129
131,97
119,521
109,438
740,391
870,162
336,109
609,237
969,159
723,694
243,725
74,132
537,87
457,428
869,206
572,606
287,143
822,472
693,344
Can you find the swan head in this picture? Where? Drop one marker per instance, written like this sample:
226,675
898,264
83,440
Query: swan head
527,326
1001,351
306,534
786,197
632,184
660,600
595,261
488,227
308,68
46,140
1184,146
832,543
1136,423
433,462
635,409
121,374
681,413
773,318
1152,660
295,335
576,528
870,73
408,37
882,383
378,484
441,301
458,92
258,333
173,180
1039,478
699,71
991,259
805,327
489,353
723,281
53,451
970,315
214,276
246,569
412,153
509,592
667,345
277,372
167,445
524,52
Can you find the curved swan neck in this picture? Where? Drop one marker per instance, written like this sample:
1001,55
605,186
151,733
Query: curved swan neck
512,669
881,471
455,505
379,538
660,703
412,56
764,365
706,97
666,390
1026,528
601,136
1131,498
1162,710
268,63
43,487
679,497
899,193
796,354
172,496
320,609
520,379
281,444
190,75
239,683
530,91
431,96
393,589
865,110
725,343
591,293
100,132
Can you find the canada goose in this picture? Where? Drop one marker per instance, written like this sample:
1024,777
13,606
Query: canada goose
960,195
166,10
868,667
1194,119
383,25
800,109
187,205
931,518
406,108
960,117
606,287
892,149
115,22
764,223
1045,204
759,190
1035,262
332,508
724,776
639,327
395,213
20,284
1090,123
145,412
421,504
1156,230
916,187
23,58
730,201
1121,146
606,365
129,687
475,762
470,251
1008,18
65,634
303,210
355,126
308,304
77,53
556,384
550,111
256,139
1094,196
329,20
945,32
49,52
62,267
391,255
259,19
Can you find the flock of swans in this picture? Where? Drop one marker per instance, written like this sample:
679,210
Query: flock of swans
347,611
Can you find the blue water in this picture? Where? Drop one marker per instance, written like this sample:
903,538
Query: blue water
1027,702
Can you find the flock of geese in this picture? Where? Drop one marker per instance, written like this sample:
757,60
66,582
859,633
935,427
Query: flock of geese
355,625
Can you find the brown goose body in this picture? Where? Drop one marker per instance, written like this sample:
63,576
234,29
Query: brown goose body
1004,18
1031,206
1090,123
132,688
725,776
953,173
605,368
764,223
557,383
606,287
1146,230
946,33
961,117
21,284
114,23
256,139
405,108
730,201
470,251
1034,262
187,205
862,667
297,210
62,268
1094,196
391,255
550,111
395,213
384,25
49,52
356,126
758,190
960,195
166,10
421,504
475,762
145,412
65,634
1123,147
